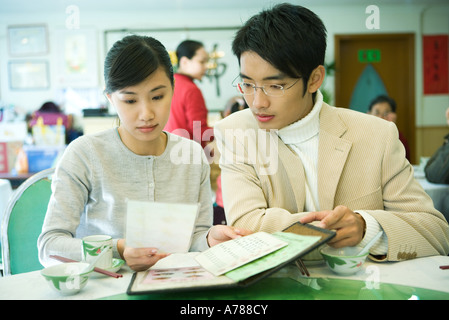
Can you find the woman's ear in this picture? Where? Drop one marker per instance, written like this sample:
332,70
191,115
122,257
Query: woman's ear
108,96
183,62
316,79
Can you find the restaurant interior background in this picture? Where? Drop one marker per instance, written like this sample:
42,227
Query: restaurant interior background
53,50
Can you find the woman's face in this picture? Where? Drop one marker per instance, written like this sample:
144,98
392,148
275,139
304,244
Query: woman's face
381,110
195,67
143,110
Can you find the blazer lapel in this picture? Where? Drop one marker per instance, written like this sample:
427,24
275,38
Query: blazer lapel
332,154
294,171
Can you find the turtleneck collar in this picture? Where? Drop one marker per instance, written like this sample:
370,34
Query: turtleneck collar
304,128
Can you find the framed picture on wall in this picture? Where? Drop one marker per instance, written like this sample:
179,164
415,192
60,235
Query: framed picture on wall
76,59
27,40
28,75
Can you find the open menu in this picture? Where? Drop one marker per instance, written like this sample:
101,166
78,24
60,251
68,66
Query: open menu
238,262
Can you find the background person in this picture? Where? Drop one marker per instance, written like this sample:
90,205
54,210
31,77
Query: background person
188,115
437,167
385,107
50,112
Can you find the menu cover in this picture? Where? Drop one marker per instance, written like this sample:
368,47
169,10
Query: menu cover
238,262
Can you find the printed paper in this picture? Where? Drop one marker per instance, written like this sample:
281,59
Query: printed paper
165,226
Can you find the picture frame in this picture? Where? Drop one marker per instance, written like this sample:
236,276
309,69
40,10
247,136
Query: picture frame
76,60
29,75
27,40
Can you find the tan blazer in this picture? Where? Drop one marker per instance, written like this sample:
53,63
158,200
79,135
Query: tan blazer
361,164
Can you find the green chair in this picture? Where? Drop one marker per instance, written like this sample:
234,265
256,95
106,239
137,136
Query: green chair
5,193
22,224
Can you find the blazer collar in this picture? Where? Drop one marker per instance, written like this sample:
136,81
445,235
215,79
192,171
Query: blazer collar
333,151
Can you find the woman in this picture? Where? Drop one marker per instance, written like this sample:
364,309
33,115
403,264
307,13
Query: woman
188,115
99,172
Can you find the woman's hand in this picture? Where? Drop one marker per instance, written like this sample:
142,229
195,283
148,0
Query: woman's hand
221,233
139,259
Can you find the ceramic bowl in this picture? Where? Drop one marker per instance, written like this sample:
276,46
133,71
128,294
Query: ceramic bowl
345,260
67,278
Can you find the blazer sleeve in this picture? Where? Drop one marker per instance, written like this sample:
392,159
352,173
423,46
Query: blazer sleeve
413,226
246,202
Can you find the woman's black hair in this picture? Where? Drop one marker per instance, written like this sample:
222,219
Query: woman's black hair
290,37
188,49
50,107
383,98
132,59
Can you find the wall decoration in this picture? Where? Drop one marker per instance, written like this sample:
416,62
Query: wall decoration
77,64
27,40
28,75
223,66
435,64
368,86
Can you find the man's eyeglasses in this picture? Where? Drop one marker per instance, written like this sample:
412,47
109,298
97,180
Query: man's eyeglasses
274,90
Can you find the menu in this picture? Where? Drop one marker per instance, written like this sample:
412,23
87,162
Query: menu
166,226
236,262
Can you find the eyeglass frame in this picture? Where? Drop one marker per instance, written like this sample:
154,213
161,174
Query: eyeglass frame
261,87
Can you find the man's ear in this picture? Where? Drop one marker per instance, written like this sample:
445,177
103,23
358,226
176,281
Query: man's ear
316,79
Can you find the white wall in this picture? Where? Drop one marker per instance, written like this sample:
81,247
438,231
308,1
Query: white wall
348,19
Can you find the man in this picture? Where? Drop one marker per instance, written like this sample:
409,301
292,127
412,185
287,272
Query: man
291,157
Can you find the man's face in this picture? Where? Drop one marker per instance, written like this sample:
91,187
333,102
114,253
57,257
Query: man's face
273,112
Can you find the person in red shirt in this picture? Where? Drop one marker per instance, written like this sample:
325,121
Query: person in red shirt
188,114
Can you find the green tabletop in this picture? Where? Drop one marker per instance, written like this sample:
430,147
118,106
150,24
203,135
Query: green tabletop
283,288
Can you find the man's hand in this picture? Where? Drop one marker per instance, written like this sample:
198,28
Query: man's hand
350,226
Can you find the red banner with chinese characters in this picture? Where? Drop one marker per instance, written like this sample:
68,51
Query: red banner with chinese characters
436,67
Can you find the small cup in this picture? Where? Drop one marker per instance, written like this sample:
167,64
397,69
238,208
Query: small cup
93,246
67,278
345,261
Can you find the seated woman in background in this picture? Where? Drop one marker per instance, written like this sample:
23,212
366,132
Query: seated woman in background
50,113
99,172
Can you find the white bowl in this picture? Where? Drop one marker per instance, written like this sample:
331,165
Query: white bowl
345,260
67,278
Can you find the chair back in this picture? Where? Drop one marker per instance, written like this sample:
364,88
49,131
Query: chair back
22,224
5,193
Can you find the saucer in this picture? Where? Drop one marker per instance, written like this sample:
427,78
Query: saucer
116,265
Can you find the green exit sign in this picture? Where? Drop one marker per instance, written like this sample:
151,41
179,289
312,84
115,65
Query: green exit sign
369,55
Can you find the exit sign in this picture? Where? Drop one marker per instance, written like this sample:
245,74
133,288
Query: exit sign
369,55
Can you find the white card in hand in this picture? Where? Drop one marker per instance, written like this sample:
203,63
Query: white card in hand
165,226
